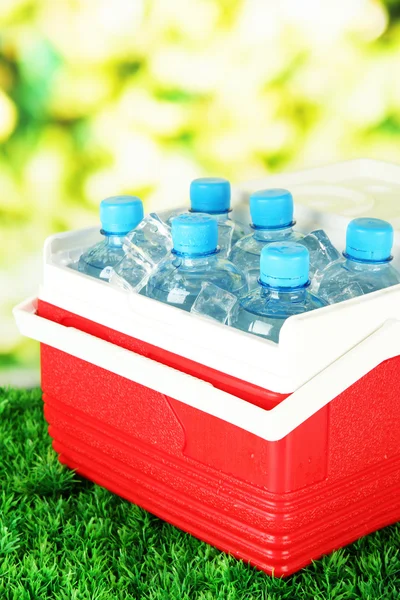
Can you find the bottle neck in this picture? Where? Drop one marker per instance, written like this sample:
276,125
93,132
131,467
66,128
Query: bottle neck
190,261
113,240
287,295
366,267
222,216
272,235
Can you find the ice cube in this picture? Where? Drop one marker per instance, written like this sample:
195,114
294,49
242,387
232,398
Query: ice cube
225,233
350,291
132,272
151,239
214,303
166,216
322,251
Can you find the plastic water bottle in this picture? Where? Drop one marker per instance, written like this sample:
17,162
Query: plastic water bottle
212,196
365,266
118,215
194,259
272,221
282,291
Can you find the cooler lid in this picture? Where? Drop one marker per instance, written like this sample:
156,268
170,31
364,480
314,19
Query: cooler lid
329,196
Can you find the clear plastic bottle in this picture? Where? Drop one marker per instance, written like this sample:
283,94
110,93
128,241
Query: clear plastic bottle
272,221
212,196
194,259
118,216
365,266
282,291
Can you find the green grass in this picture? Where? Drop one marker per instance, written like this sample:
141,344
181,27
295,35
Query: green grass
64,538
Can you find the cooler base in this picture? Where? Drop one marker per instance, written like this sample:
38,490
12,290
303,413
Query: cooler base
275,504
278,533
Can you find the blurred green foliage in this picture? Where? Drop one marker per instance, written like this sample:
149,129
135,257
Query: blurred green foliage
100,97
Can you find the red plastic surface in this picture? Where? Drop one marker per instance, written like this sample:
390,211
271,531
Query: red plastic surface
277,505
242,389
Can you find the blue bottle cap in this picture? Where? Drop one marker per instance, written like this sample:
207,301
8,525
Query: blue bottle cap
284,265
369,240
210,195
194,234
120,214
271,209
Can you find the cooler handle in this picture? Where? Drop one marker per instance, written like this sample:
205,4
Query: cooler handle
271,425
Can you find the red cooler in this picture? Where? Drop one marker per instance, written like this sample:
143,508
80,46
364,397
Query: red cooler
275,453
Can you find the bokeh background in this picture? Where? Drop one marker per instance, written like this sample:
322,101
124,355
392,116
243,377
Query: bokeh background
99,97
